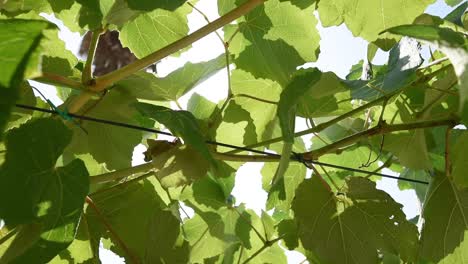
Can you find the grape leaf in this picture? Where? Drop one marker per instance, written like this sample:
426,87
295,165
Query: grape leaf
403,61
245,119
39,192
147,86
302,82
154,30
180,166
148,6
84,248
367,18
136,213
210,233
452,43
354,227
200,107
18,42
108,144
330,96
180,123
263,53
410,148
55,57
293,177
459,161
22,6
444,233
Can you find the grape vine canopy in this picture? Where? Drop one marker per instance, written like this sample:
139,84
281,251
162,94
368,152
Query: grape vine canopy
67,183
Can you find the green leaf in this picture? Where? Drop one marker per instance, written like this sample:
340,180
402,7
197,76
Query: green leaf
23,6
268,47
403,61
154,30
444,233
135,212
148,6
302,82
147,86
108,144
84,248
452,43
36,191
453,2
410,148
420,189
212,233
354,227
180,123
18,41
367,18
55,57
246,119
460,160
200,107
294,175
330,96
180,166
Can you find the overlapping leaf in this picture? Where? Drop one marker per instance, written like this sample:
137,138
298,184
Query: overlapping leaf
154,30
444,234
18,42
37,192
108,144
180,123
354,227
152,237
268,46
147,86
453,44
367,18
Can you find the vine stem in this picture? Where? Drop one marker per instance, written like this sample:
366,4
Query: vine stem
87,74
260,250
448,164
55,79
382,128
120,174
318,127
105,81
255,98
104,221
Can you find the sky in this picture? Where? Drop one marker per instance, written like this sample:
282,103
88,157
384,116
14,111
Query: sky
339,51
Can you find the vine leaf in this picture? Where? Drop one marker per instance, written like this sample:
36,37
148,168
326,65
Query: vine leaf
403,61
180,123
147,86
18,41
303,80
179,166
38,193
267,49
367,18
444,233
290,97
453,44
459,161
154,30
330,96
84,248
137,214
108,144
354,227
148,6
